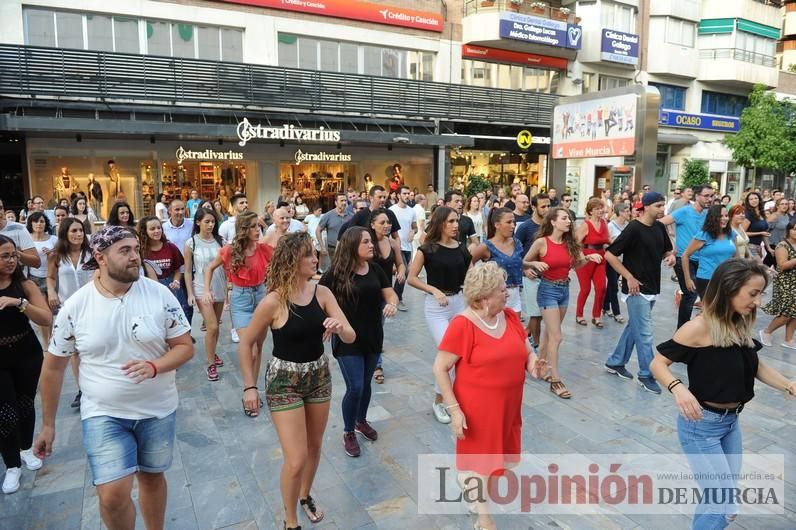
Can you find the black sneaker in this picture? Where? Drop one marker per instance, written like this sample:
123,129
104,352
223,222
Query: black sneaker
76,402
621,371
649,384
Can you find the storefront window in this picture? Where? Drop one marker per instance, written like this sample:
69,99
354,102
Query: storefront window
500,167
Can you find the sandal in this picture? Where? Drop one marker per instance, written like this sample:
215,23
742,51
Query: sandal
548,378
251,413
313,514
378,376
560,389
597,323
619,318
286,527
581,321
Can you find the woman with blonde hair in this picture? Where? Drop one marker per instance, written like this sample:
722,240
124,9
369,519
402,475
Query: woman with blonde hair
489,348
722,361
298,384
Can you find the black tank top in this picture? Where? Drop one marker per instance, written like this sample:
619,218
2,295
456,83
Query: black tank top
12,322
300,339
386,264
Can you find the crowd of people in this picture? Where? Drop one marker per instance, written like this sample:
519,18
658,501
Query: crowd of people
496,271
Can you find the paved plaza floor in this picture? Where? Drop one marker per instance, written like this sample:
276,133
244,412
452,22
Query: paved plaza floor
226,466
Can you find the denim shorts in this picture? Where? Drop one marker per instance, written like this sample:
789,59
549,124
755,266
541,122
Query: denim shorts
118,447
551,295
290,385
242,303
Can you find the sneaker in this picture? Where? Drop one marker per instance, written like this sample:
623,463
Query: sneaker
364,428
11,482
234,333
649,384
402,306
789,344
31,461
441,413
212,373
765,338
218,361
621,371
76,402
351,445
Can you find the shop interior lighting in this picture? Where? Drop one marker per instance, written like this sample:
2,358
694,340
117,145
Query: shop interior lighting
401,140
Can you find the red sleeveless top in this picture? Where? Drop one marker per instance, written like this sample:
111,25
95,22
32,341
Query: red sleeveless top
558,259
596,237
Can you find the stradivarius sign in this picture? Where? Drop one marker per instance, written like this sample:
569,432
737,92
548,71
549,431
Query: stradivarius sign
248,131
301,157
183,154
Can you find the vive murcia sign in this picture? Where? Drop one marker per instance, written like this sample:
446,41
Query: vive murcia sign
183,154
248,131
301,157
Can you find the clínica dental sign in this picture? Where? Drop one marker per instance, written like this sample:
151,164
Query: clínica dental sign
248,131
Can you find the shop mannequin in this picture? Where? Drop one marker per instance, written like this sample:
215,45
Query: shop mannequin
63,184
115,186
95,198
224,199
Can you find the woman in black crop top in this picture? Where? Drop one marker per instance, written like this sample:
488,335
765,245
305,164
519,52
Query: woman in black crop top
20,363
298,385
722,361
446,262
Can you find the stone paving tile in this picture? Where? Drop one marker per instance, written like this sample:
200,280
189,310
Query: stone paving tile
225,472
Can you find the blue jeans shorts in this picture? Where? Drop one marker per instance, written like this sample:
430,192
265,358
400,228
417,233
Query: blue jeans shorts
242,303
118,447
551,295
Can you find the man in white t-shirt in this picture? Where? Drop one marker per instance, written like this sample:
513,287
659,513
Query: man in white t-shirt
420,219
295,224
179,230
239,204
407,219
19,234
132,336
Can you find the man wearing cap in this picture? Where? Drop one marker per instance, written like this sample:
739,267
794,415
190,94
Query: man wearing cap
131,335
642,244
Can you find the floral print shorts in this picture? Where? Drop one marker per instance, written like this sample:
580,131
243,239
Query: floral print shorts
290,385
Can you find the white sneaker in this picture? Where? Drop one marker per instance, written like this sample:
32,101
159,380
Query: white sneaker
441,413
765,338
234,334
791,345
31,461
11,482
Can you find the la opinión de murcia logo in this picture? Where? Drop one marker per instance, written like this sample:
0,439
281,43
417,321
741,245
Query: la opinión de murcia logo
301,157
183,154
247,131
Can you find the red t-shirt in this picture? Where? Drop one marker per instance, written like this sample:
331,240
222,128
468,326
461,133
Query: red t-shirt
168,258
252,272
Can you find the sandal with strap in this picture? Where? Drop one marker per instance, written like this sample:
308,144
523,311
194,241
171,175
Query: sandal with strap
558,388
580,321
313,514
378,376
251,413
619,318
597,323
286,527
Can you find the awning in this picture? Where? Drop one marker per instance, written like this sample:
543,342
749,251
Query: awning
677,139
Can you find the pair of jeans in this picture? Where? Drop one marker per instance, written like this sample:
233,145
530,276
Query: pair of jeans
611,302
689,297
714,449
406,255
638,333
181,295
357,372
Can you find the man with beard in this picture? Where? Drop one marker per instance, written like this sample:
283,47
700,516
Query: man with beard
467,236
132,336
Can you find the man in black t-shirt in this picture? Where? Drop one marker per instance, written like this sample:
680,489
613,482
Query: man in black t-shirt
378,198
642,244
467,236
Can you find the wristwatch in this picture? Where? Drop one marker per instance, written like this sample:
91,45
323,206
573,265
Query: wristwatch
23,305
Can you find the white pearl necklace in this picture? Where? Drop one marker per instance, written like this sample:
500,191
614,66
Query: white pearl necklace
491,327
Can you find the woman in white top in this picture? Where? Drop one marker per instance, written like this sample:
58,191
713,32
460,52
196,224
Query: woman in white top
474,212
201,249
302,210
162,207
65,274
39,228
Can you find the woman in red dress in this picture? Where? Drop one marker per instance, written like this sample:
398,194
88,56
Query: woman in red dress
488,346
593,235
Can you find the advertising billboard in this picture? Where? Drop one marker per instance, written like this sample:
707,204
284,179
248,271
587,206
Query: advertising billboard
539,30
595,128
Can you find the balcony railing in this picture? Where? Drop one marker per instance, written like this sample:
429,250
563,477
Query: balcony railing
114,77
526,7
739,55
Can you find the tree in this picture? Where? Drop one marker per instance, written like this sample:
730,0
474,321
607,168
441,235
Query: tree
765,138
695,173
476,184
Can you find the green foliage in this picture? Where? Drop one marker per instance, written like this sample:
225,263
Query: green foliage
695,173
476,184
792,68
766,138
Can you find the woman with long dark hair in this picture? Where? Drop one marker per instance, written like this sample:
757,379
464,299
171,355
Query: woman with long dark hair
755,226
504,249
39,227
778,221
200,250
715,244
79,210
722,360
65,274
554,253
365,294
446,262
783,302
122,215
298,384
21,302
157,248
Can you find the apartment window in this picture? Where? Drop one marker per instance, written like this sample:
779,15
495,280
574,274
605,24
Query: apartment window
125,35
158,40
349,58
680,32
589,82
39,27
608,82
99,29
509,76
330,60
723,104
754,44
70,30
232,45
183,40
620,17
209,43
672,97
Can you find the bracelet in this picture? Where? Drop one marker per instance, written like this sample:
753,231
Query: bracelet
249,388
455,405
673,384
155,368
